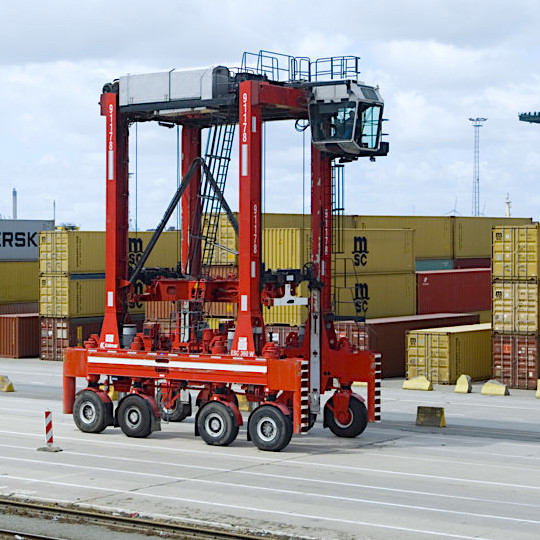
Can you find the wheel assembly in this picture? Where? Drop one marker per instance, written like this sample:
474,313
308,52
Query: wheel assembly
216,424
90,413
135,416
179,411
269,428
349,424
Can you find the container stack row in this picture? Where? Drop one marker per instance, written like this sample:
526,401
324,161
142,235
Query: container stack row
72,283
516,312
19,320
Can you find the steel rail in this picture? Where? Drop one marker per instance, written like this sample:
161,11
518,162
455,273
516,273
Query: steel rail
7,533
155,527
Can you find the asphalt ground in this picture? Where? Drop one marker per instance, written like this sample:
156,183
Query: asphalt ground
479,477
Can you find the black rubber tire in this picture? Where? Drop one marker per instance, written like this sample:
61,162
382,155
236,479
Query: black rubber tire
216,424
135,416
89,412
357,424
270,429
180,412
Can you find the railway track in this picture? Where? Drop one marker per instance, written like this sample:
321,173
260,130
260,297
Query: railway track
118,523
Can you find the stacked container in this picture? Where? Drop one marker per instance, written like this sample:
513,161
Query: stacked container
72,283
387,335
443,354
19,267
515,292
373,276
454,291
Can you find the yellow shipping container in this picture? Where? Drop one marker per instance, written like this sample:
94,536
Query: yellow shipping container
374,251
19,281
61,296
84,251
472,235
515,307
433,236
443,354
516,252
502,253
375,295
286,248
226,246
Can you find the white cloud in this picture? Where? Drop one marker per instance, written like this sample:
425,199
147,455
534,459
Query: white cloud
437,63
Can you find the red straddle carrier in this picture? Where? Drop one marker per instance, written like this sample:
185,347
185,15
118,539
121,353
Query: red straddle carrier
157,370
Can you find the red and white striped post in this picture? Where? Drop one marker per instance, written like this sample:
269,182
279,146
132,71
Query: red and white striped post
49,439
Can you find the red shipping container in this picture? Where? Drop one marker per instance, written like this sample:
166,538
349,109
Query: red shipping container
515,360
20,307
59,333
19,335
387,335
453,291
477,262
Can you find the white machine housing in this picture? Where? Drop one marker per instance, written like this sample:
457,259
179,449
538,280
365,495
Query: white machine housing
175,85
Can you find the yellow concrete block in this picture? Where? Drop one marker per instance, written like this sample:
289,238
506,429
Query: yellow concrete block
112,393
417,383
243,404
538,389
5,384
463,385
494,388
430,417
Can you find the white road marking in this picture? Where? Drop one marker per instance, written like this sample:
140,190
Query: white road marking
235,485
446,461
280,476
255,509
460,404
93,440
288,459
34,373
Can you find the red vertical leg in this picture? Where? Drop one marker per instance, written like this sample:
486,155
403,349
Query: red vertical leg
191,208
321,216
249,335
69,384
116,237
321,249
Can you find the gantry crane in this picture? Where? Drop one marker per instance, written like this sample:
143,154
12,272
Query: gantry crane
154,372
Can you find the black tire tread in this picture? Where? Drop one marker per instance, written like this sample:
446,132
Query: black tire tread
100,422
145,427
283,423
359,423
231,426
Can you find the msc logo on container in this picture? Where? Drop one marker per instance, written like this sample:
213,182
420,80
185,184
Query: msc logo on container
135,251
361,297
360,251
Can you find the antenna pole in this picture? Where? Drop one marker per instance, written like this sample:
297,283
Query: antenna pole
477,124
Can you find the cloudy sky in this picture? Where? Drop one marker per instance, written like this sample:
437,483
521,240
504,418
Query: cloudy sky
437,62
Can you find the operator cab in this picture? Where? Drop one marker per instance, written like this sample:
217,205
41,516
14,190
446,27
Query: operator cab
346,120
